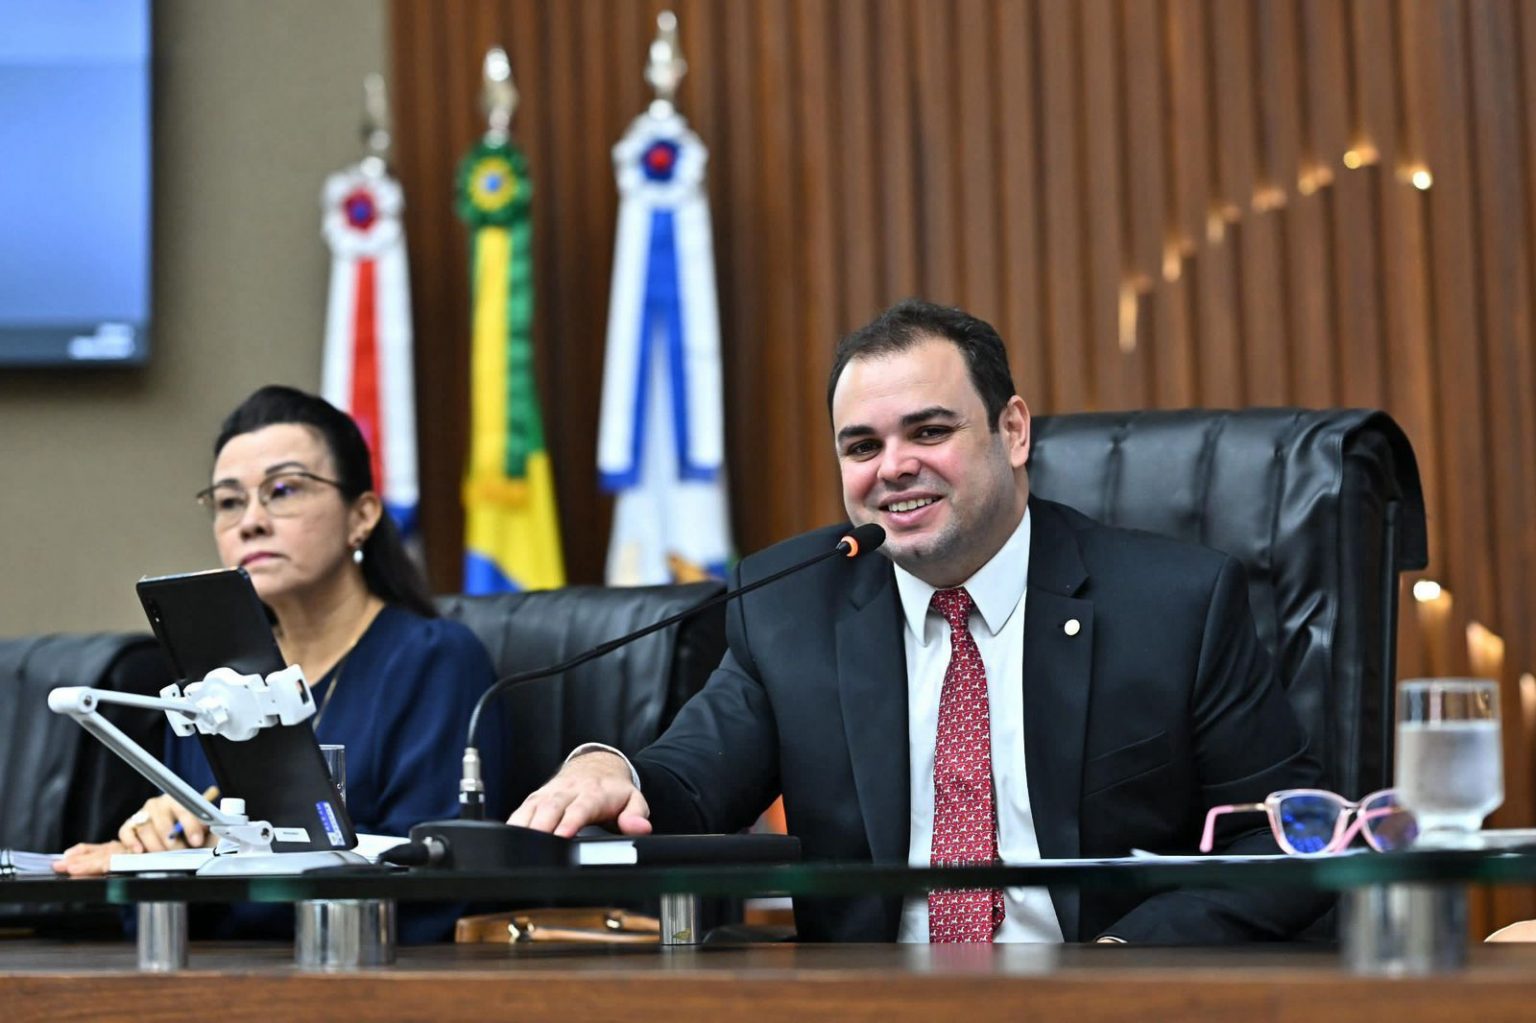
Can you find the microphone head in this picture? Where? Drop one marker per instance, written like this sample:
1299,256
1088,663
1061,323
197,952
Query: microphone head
863,539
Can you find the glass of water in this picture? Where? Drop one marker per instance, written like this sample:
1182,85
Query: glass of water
1450,768
336,762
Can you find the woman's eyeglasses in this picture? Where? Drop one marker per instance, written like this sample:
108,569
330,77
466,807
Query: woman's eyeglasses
1311,822
282,493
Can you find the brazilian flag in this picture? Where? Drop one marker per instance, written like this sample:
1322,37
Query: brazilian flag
511,531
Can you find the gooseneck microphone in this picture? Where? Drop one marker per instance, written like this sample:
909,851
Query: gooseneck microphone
474,842
858,541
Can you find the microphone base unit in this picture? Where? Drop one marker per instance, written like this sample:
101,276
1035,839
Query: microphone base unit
490,845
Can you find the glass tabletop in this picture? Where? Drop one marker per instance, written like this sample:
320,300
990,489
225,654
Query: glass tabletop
1328,873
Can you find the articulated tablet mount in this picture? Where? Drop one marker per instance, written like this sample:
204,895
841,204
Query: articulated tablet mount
224,703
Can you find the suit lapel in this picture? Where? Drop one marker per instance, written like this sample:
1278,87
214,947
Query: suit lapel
872,686
1058,664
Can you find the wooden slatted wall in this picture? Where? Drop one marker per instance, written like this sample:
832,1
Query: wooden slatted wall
1158,202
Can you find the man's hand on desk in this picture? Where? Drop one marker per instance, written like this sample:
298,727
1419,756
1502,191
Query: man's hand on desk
593,788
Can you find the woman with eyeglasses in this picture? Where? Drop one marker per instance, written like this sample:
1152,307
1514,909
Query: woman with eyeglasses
292,501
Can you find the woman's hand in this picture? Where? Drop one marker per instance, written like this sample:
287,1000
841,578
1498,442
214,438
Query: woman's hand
164,824
161,824
88,859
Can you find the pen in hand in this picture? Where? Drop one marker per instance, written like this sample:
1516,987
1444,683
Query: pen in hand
177,830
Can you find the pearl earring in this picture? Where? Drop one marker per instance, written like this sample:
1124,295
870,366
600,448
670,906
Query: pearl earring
357,555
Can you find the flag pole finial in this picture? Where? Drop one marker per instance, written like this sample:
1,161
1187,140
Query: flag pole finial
498,95
375,126
666,66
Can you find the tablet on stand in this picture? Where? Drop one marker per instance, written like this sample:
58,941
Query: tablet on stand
208,620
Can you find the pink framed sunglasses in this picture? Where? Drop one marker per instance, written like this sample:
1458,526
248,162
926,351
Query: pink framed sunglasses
1312,822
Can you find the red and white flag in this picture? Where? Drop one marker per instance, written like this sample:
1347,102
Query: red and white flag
368,371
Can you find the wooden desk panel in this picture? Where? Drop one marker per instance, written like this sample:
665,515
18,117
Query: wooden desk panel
55,981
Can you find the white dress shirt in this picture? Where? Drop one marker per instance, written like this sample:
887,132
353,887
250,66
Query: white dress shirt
998,591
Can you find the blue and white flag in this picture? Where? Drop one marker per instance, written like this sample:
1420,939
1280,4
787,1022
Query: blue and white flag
661,442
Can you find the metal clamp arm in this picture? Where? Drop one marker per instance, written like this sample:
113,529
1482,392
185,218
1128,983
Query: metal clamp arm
80,703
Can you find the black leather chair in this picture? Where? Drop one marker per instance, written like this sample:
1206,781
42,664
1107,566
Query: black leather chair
59,786
624,699
1324,508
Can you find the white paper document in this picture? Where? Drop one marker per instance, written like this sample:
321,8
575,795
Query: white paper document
171,861
16,862
187,861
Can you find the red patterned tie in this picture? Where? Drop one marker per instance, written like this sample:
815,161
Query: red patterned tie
964,807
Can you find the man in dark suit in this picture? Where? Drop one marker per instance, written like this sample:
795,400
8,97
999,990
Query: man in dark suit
930,707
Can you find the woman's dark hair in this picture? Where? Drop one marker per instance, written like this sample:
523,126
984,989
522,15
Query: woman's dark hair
388,570
912,321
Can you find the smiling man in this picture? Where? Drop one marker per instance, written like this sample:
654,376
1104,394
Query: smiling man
1012,682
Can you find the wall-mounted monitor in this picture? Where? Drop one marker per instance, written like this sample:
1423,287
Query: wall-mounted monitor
74,182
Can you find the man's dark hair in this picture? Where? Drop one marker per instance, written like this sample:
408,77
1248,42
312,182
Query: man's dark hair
388,570
912,321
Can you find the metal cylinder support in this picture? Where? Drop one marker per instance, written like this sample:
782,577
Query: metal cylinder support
162,936
344,934
680,919
1402,929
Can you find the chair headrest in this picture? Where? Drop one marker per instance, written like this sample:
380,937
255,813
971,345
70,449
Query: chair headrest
1226,478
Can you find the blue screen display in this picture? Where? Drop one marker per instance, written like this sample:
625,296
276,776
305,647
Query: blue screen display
74,181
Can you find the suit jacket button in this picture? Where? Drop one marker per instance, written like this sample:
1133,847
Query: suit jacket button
1073,627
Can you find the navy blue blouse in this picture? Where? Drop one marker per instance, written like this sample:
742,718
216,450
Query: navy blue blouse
400,702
